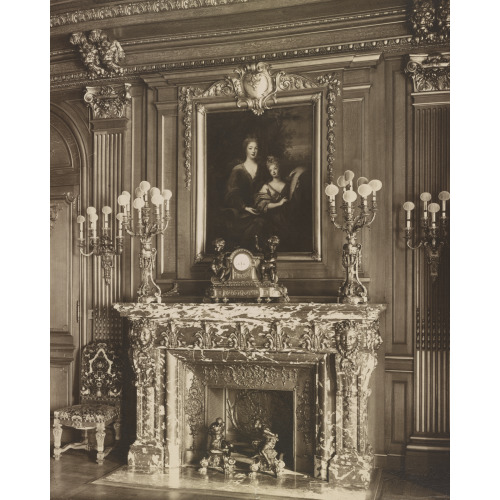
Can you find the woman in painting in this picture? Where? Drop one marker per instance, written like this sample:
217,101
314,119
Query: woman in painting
243,220
277,200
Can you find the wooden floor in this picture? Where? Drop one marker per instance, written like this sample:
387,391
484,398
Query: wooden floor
72,476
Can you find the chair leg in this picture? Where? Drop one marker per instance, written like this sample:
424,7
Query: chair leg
57,438
100,434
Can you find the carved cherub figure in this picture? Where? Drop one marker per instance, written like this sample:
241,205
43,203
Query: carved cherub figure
99,55
110,53
219,266
268,265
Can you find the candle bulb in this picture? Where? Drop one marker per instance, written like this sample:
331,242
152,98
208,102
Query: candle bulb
408,206
443,196
106,211
138,204
376,185
349,176
167,194
81,219
364,190
349,197
119,217
433,208
425,197
331,190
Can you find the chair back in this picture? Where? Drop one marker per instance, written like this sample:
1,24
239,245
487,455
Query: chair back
101,373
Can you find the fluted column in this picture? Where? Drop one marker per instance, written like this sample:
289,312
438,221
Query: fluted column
430,76
108,106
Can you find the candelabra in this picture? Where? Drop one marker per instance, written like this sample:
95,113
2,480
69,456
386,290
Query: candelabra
352,291
100,246
434,236
144,227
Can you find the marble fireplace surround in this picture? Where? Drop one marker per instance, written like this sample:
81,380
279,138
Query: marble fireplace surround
324,353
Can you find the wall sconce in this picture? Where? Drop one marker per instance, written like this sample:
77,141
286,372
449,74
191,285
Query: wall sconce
434,235
352,290
100,246
144,227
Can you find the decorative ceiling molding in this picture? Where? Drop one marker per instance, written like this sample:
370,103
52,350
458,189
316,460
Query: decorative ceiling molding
133,9
386,45
309,23
429,72
108,101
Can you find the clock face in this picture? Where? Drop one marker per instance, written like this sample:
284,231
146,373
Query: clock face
241,262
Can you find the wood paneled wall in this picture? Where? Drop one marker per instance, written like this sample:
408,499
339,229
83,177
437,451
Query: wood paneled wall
382,132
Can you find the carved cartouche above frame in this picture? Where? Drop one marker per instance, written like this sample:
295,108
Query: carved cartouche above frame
108,101
429,72
100,57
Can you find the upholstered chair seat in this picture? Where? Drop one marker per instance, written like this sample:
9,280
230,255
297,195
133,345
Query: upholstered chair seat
100,396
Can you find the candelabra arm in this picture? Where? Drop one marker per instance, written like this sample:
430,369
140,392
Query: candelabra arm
86,254
368,224
413,247
131,233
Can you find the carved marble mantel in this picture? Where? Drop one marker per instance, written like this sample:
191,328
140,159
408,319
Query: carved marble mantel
255,345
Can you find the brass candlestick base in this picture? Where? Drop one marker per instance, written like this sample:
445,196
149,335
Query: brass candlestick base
145,227
352,291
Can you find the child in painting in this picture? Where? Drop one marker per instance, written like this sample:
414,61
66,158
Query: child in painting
275,200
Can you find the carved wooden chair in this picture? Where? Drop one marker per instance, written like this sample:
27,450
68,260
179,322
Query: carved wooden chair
100,397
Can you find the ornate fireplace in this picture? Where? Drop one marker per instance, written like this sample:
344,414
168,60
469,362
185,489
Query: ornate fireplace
196,362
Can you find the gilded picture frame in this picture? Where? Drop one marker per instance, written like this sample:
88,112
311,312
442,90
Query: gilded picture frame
255,95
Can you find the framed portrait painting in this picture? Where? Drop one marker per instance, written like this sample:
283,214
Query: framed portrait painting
258,175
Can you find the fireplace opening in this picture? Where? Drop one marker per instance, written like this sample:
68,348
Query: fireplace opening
244,409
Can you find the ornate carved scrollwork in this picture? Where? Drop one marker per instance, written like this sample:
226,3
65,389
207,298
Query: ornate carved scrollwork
195,406
430,20
256,87
304,414
141,352
171,337
241,338
100,56
277,339
108,101
334,85
249,376
429,72
315,338
132,9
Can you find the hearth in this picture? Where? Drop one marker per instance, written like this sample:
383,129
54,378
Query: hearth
196,362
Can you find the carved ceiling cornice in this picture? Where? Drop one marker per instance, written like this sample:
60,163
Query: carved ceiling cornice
429,72
130,73
133,9
307,23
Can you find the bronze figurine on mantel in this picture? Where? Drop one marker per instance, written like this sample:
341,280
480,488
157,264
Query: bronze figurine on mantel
218,449
239,275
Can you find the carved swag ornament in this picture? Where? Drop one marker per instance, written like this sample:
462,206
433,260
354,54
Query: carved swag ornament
100,57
